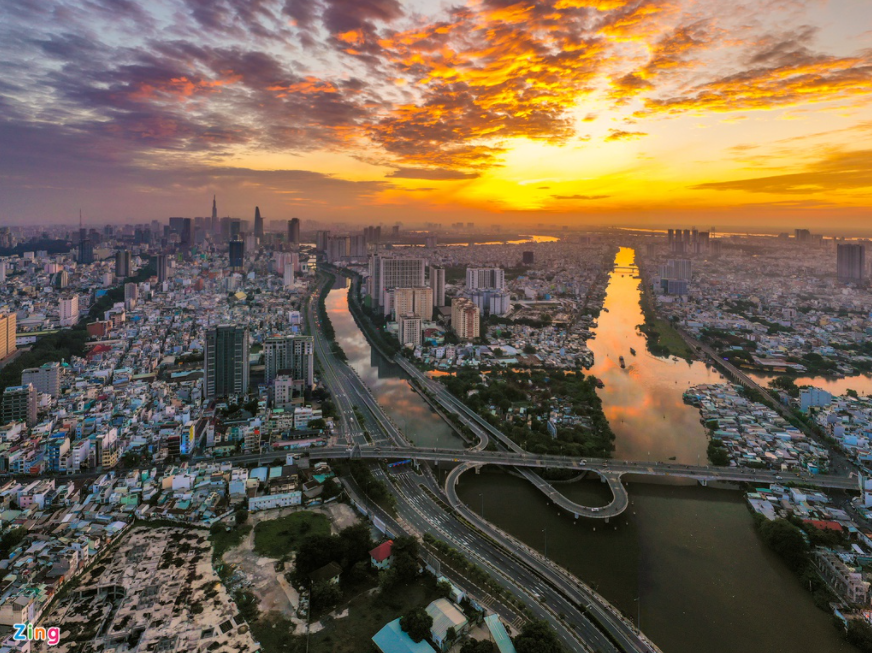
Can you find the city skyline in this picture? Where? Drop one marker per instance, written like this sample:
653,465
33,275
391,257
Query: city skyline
566,112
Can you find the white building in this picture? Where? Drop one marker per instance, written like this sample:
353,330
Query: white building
46,379
485,279
69,310
409,332
390,273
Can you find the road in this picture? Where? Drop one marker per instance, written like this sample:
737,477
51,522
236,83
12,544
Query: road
416,508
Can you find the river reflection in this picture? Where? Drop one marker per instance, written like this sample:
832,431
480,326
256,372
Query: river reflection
862,383
688,554
643,402
386,380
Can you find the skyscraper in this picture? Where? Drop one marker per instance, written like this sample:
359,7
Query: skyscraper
226,361
68,308
237,253
294,231
389,273
258,223
214,209
295,354
485,279
850,262
437,283
8,328
465,318
122,264
162,267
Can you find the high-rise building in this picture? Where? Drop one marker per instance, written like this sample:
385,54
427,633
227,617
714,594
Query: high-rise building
68,307
485,279
46,379
801,235
214,210
258,223
294,231
2,271
437,283
358,246
288,276
131,291
850,262
122,264
677,270
412,301
162,267
19,404
236,249
465,318
226,361
499,303
294,354
389,273
321,238
8,326
409,330
86,251
336,248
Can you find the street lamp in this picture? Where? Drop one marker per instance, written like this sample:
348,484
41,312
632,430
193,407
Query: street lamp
638,601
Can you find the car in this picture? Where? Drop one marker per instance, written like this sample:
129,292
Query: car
778,477
583,462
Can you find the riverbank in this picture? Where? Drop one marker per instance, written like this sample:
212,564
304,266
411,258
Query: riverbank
662,338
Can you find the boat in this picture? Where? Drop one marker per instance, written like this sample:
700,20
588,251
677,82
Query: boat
632,351
672,457
621,361
600,384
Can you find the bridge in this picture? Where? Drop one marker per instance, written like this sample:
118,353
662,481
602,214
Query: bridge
611,471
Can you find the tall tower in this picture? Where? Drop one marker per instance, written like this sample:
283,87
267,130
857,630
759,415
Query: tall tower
214,209
294,231
258,223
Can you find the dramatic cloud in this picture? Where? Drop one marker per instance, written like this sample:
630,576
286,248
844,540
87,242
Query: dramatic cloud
622,135
433,174
840,171
112,92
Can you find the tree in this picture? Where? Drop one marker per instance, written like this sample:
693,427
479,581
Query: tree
477,646
317,424
357,543
529,349
787,541
537,637
450,635
324,594
241,516
443,587
417,623
498,352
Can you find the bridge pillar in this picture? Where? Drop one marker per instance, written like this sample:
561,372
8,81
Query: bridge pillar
704,482
477,469
607,519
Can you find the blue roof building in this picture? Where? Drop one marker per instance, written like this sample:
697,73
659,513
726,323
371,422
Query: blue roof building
498,632
393,639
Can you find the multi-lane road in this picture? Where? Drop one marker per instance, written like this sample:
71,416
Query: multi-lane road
519,572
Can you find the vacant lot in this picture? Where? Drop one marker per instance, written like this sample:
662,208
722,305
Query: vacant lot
278,537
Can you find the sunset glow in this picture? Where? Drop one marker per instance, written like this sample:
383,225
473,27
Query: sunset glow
588,111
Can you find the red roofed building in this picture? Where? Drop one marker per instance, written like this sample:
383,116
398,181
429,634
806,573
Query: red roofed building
824,525
380,556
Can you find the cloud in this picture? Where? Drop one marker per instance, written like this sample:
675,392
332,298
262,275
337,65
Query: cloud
622,135
433,174
836,172
580,197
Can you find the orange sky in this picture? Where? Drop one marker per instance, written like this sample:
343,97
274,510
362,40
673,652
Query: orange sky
747,113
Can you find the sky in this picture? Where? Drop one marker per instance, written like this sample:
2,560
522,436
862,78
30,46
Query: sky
737,114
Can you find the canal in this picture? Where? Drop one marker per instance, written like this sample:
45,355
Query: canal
683,559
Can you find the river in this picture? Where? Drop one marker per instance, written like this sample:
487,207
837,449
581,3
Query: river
684,559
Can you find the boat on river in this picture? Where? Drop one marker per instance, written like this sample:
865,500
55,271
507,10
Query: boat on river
632,351
621,361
